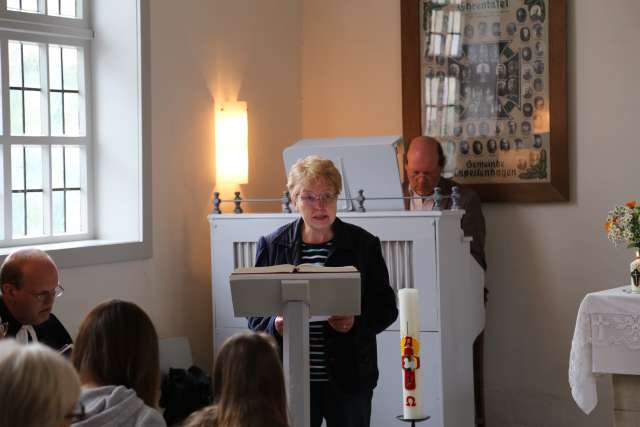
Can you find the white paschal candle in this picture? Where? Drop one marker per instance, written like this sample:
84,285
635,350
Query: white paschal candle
410,351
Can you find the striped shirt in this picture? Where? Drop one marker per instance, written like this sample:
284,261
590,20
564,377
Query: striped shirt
317,254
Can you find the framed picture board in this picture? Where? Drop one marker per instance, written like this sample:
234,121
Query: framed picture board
487,78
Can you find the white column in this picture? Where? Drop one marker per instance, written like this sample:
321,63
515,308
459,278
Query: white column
296,351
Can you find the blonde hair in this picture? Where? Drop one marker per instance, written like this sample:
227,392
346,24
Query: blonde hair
205,417
38,387
313,169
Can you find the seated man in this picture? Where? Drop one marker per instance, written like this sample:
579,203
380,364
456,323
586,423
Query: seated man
423,164
29,283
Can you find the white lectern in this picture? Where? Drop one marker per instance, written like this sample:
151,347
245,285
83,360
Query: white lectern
425,250
296,296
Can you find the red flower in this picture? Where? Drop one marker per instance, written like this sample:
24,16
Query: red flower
631,204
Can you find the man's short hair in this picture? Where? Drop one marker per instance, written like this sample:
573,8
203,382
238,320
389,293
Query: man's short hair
442,159
11,270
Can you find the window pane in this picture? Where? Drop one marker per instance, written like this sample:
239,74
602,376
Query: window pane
57,170
68,8
55,72
74,224
15,64
71,114
13,4
31,63
55,106
17,208
34,167
17,168
15,107
70,71
53,7
30,5
57,212
35,214
72,169
32,113
65,8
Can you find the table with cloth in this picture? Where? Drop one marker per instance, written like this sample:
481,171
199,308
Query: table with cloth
606,340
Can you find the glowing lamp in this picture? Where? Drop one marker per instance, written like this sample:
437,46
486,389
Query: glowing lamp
232,153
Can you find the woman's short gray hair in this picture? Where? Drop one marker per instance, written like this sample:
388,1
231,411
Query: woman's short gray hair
38,386
313,169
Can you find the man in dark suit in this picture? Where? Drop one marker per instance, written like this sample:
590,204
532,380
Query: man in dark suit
29,282
423,164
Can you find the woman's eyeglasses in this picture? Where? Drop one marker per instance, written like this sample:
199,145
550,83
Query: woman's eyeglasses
313,198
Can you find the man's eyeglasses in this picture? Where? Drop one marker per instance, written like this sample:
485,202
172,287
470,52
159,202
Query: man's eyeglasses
417,174
313,198
77,415
46,295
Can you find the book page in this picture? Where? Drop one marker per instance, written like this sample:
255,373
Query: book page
280,268
311,268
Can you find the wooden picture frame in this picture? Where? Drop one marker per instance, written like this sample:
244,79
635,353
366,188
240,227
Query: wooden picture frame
531,161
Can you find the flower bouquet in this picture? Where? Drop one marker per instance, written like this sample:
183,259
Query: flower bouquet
623,227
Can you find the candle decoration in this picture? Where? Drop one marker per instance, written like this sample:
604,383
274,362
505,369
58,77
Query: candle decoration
410,352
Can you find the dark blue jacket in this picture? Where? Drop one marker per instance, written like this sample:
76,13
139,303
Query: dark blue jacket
352,360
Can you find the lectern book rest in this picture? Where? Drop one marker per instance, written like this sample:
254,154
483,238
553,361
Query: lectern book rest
300,268
263,291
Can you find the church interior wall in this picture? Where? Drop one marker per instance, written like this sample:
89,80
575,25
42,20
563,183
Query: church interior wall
311,68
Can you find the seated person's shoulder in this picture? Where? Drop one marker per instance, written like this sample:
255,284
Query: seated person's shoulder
151,418
53,333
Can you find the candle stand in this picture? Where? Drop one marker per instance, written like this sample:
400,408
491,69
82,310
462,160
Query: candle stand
413,421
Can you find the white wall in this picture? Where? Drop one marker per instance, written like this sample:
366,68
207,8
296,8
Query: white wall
542,258
332,67
209,49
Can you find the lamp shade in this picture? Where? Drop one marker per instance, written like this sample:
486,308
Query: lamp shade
232,153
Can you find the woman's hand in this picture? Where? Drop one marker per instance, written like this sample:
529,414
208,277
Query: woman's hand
342,324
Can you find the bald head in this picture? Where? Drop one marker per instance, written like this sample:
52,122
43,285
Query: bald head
14,265
29,279
424,162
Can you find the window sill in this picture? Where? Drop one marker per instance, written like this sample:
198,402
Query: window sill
90,252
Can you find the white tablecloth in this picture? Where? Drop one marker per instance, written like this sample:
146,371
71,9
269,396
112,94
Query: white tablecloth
608,325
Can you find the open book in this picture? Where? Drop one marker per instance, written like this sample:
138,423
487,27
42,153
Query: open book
301,268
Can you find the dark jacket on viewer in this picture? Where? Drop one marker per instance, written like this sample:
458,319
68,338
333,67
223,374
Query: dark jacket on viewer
352,361
51,332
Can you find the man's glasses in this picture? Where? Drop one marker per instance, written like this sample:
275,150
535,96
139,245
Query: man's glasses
313,198
417,174
46,295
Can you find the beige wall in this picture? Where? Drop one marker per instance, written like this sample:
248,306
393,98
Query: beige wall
332,68
351,68
212,49
542,259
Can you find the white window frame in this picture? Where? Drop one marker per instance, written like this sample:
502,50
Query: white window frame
46,142
13,27
101,246
36,20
